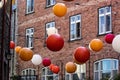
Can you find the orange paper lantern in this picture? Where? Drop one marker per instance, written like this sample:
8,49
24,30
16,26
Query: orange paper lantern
26,54
17,49
59,9
96,45
50,67
70,67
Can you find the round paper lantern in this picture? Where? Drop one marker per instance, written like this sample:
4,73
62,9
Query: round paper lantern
50,67
116,43
55,42
52,30
96,45
70,67
109,38
59,9
12,45
17,49
81,54
25,54
36,59
55,69
46,62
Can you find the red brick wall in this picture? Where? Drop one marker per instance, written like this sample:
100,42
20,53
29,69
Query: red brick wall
89,11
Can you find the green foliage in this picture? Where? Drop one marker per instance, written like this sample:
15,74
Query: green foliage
117,77
14,77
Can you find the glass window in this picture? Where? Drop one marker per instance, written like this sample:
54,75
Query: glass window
30,6
29,37
105,20
48,74
105,69
50,3
75,27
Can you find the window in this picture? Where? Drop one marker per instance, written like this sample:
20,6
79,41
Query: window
75,27
48,74
28,74
49,25
105,20
105,69
78,75
50,3
29,37
30,6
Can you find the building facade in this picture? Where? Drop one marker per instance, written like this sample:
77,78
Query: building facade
85,20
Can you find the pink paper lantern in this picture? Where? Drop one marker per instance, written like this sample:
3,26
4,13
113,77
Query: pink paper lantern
109,38
46,62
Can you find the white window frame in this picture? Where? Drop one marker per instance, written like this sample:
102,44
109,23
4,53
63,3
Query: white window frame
45,74
50,3
29,37
49,25
102,27
81,69
29,6
74,20
100,70
27,74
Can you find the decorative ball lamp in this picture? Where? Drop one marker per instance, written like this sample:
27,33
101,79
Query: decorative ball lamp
77,62
36,59
50,67
46,62
12,45
96,45
81,54
59,9
25,54
70,67
17,49
55,69
116,43
55,42
109,38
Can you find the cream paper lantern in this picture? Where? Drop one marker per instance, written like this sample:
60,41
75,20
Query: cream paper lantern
116,43
36,59
1,4
52,30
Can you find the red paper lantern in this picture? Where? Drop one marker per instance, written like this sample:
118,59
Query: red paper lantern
70,67
82,54
77,62
96,45
59,9
50,67
46,62
12,45
55,42
109,38
26,54
55,69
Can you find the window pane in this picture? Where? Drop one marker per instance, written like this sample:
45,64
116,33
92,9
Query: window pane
106,74
108,9
67,77
49,78
96,76
101,11
106,64
101,24
78,29
97,66
108,22
75,77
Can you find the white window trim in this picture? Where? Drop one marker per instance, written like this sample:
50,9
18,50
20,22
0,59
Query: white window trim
99,69
52,2
27,12
30,35
103,14
76,21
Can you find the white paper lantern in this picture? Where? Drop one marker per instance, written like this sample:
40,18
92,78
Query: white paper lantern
52,30
1,4
36,59
116,43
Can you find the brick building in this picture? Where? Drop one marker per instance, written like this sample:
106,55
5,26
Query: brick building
85,20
